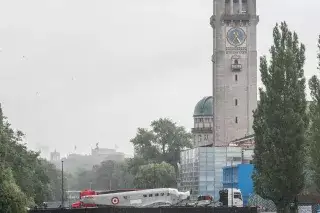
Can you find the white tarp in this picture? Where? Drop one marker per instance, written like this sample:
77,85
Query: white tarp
305,209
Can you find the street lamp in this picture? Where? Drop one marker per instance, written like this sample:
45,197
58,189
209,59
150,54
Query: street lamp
62,186
154,175
232,180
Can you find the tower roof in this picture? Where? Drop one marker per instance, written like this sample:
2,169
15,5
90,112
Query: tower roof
204,107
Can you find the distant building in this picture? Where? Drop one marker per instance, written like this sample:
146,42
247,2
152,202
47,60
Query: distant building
103,154
54,156
73,162
102,151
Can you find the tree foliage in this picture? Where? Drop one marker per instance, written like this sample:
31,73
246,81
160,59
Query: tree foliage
37,178
280,121
163,142
12,199
314,136
108,175
155,176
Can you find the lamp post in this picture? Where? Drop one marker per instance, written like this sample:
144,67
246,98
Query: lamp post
154,175
232,180
62,185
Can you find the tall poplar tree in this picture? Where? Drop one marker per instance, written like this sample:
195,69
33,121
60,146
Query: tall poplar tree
314,114
280,121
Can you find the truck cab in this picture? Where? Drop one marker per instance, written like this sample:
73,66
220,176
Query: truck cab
231,197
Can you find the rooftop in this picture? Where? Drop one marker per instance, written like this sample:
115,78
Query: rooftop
204,107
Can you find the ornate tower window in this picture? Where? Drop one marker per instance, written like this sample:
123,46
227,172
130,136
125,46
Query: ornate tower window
236,102
227,7
244,7
236,64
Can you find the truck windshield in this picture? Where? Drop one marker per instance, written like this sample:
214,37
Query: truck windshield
237,195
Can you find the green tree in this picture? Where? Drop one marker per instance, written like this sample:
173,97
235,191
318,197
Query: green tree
108,175
29,171
124,176
105,175
135,163
83,179
280,121
314,136
155,176
52,179
163,142
12,199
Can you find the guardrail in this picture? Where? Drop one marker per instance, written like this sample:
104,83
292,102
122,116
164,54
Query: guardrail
151,210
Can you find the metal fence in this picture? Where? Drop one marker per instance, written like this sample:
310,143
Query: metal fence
151,210
307,204
307,208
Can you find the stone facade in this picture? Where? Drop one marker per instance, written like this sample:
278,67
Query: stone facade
203,120
222,130
202,131
234,69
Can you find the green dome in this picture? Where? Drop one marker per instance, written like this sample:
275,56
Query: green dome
204,107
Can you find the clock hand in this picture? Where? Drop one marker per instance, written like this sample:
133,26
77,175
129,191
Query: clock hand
235,38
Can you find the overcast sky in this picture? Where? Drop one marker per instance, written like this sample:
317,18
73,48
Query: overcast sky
77,72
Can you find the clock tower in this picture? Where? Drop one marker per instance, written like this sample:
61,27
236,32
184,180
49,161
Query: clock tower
234,58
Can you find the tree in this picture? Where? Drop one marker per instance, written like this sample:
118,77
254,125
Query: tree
134,164
105,178
155,176
12,199
36,178
280,121
314,136
51,180
124,176
163,143
108,175
82,179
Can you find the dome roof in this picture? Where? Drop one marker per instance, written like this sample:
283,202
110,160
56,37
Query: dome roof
204,107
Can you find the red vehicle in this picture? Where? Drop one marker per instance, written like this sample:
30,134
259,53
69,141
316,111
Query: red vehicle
83,193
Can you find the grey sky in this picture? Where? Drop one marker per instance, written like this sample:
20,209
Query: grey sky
78,72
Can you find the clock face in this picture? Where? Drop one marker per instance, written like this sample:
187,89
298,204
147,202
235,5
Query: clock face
236,36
